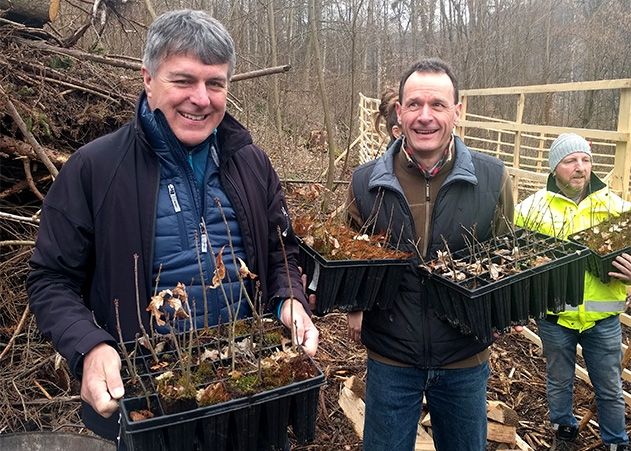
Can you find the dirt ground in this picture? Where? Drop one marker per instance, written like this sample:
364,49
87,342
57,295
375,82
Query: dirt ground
517,378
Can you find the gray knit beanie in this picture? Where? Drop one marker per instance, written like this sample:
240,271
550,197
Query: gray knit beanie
564,145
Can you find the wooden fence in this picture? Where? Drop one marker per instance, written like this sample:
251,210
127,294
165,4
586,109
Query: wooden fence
523,146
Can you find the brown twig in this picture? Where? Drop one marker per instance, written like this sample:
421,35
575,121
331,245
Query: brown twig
29,178
140,323
17,331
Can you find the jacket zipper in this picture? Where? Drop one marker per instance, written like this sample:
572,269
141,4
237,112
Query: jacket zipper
173,196
426,230
178,213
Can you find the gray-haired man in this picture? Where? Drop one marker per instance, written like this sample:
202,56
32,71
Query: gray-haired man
152,189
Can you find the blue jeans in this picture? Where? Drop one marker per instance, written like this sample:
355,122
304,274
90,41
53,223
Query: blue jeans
602,353
456,400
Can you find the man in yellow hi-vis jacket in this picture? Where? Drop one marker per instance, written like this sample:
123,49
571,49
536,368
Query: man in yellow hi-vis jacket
576,199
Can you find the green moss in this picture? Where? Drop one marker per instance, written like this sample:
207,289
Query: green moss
245,384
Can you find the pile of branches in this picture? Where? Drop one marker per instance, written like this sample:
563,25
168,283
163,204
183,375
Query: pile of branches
52,101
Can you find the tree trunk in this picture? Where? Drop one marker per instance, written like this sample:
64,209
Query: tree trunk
275,84
33,13
330,138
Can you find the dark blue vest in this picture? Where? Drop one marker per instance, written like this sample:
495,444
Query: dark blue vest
194,221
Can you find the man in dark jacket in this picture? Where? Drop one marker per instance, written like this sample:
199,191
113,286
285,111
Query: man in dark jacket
162,196
428,187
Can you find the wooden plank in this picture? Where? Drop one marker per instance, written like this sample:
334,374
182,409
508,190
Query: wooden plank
550,130
537,176
521,444
501,433
354,409
424,441
557,87
622,169
521,103
501,413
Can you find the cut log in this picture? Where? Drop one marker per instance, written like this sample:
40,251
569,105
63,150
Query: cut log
501,433
33,13
19,148
521,444
501,413
352,406
424,441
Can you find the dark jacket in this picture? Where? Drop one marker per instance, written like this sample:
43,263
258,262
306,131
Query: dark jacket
97,232
410,332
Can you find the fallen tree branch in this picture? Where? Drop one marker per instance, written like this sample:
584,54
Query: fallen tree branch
12,217
129,64
13,112
84,56
29,178
261,72
23,149
60,399
20,186
17,243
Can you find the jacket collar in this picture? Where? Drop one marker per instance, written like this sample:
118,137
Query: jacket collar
231,135
463,169
595,184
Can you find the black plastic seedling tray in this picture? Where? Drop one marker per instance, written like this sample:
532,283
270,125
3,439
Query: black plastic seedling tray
350,285
479,305
601,265
251,423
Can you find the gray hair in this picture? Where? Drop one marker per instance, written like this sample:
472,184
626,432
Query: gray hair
188,32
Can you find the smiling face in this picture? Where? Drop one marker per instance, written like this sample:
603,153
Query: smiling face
427,114
573,173
192,95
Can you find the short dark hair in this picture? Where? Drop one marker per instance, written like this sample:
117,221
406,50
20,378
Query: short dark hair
435,65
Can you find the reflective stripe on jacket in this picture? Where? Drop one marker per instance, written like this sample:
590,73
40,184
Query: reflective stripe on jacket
549,211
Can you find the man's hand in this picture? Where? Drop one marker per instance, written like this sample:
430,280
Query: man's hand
355,325
516,329
623,264
311,297
101,384
306,333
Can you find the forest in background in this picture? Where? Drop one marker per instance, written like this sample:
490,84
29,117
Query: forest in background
364,46
360,46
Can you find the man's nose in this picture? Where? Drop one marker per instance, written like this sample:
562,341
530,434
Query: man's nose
199,96
425,113
581,165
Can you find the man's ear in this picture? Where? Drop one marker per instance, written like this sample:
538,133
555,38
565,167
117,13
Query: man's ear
458,111
146,79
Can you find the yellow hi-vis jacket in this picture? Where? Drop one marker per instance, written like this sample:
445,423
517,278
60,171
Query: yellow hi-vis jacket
548,211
